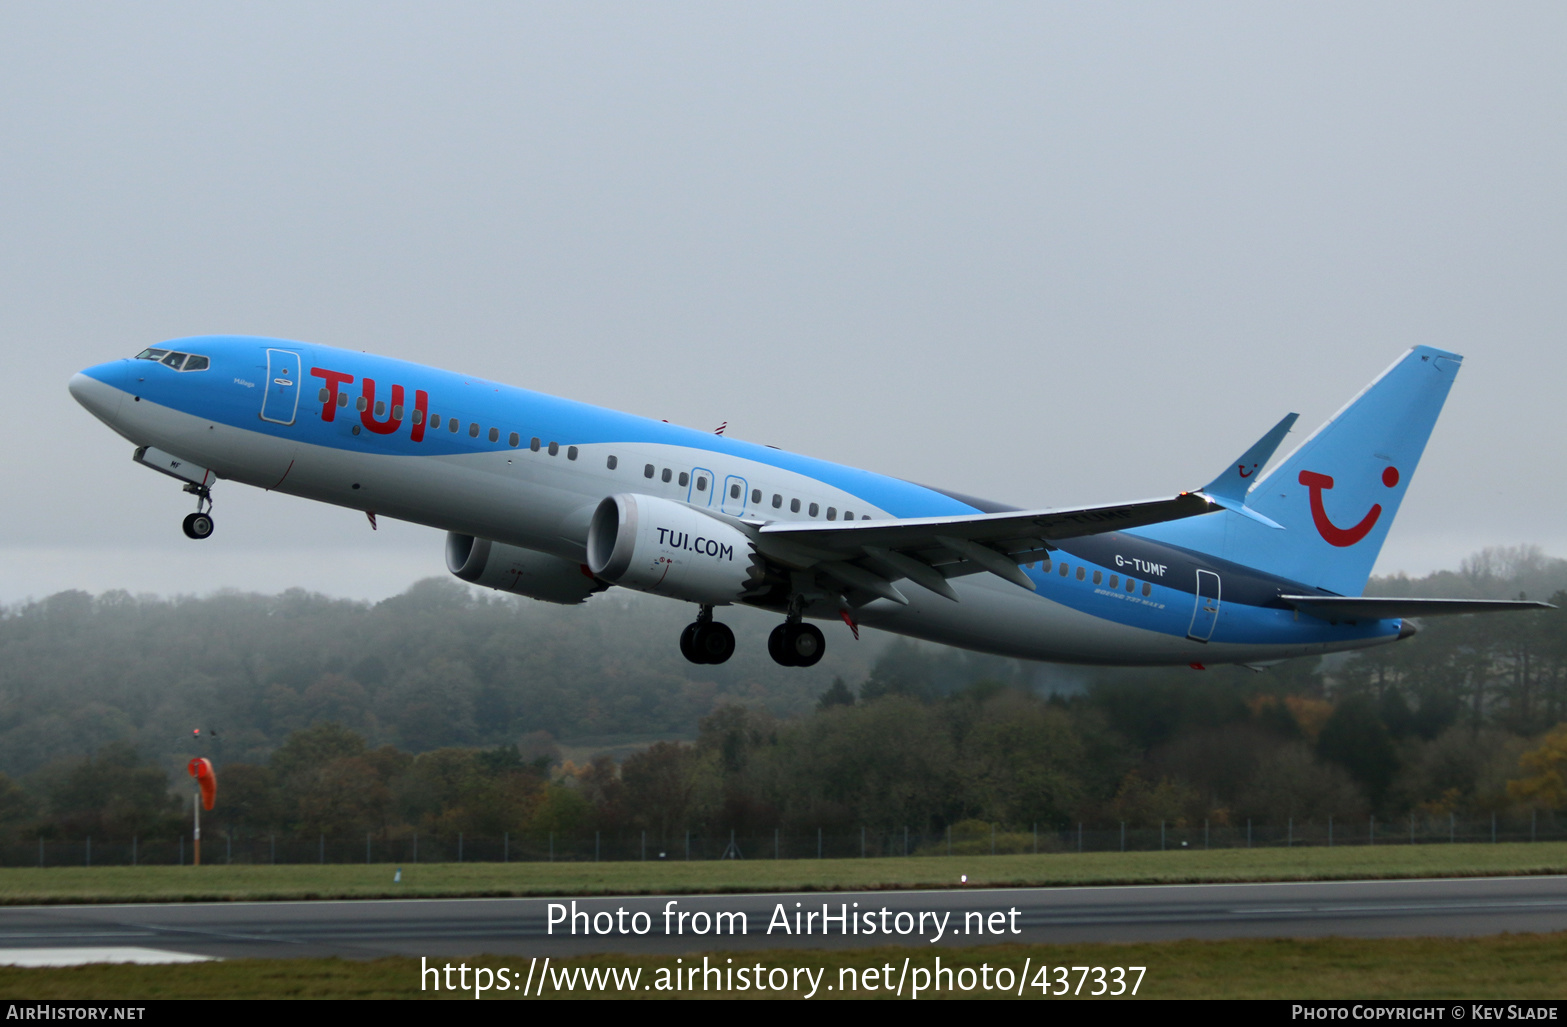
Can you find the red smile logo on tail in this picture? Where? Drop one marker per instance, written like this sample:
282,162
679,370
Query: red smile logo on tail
1332,533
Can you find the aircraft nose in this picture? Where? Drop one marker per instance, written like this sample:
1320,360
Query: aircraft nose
98,390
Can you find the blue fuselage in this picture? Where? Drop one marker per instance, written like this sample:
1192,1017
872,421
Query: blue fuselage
492,461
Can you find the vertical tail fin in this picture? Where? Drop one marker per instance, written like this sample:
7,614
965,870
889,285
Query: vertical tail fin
1336,495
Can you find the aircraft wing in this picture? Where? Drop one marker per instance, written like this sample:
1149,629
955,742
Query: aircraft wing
870,555
1339,608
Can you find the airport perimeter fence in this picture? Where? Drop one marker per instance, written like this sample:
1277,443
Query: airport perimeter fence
252,848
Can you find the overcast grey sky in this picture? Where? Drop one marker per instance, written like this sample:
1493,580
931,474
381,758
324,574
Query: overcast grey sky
1045,253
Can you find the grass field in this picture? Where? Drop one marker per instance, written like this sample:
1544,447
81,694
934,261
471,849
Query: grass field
1503,967
27,885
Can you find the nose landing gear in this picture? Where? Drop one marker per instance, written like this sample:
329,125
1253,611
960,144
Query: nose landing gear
706,640
199,524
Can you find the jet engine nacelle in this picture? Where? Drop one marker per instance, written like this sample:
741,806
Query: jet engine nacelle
522,571
670,549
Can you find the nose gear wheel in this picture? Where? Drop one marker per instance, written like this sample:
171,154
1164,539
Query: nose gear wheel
199,524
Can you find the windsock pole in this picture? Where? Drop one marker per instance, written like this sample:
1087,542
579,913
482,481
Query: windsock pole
206,794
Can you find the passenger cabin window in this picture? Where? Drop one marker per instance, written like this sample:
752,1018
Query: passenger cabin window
701,482
554,449
756,495
647,471
473,429
794,506
734,492
534,444
777,501
380,408
322,395
451,425
342,399
1115,581
361,404
495,434
1044,565
1098,577
832,513
611,463
1081,574
514,439
418,416
1131,586
571,452
848,515
397,412
668,474
1147,588
814,509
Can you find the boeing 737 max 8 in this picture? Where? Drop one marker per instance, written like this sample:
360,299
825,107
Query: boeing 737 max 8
558,500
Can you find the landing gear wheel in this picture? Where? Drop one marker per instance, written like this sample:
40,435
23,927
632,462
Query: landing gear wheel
778,647
715,642
807,645
707,642
197,525
796,645
688,643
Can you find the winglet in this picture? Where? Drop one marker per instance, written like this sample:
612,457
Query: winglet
1238,477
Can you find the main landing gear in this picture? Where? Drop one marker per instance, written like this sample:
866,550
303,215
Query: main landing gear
199,524
795,643
707,641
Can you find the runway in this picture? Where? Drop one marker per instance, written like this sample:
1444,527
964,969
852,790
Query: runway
951,918
452,927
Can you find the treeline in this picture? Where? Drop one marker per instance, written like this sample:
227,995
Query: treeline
440,665
988,754
338,719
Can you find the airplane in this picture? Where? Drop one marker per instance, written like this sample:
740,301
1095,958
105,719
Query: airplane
559,500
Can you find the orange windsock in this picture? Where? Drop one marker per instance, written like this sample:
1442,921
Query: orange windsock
201,769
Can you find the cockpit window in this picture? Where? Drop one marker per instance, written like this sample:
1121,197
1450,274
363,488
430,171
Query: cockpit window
178,361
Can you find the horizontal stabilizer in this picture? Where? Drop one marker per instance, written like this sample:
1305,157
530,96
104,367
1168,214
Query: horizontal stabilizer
1342,608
